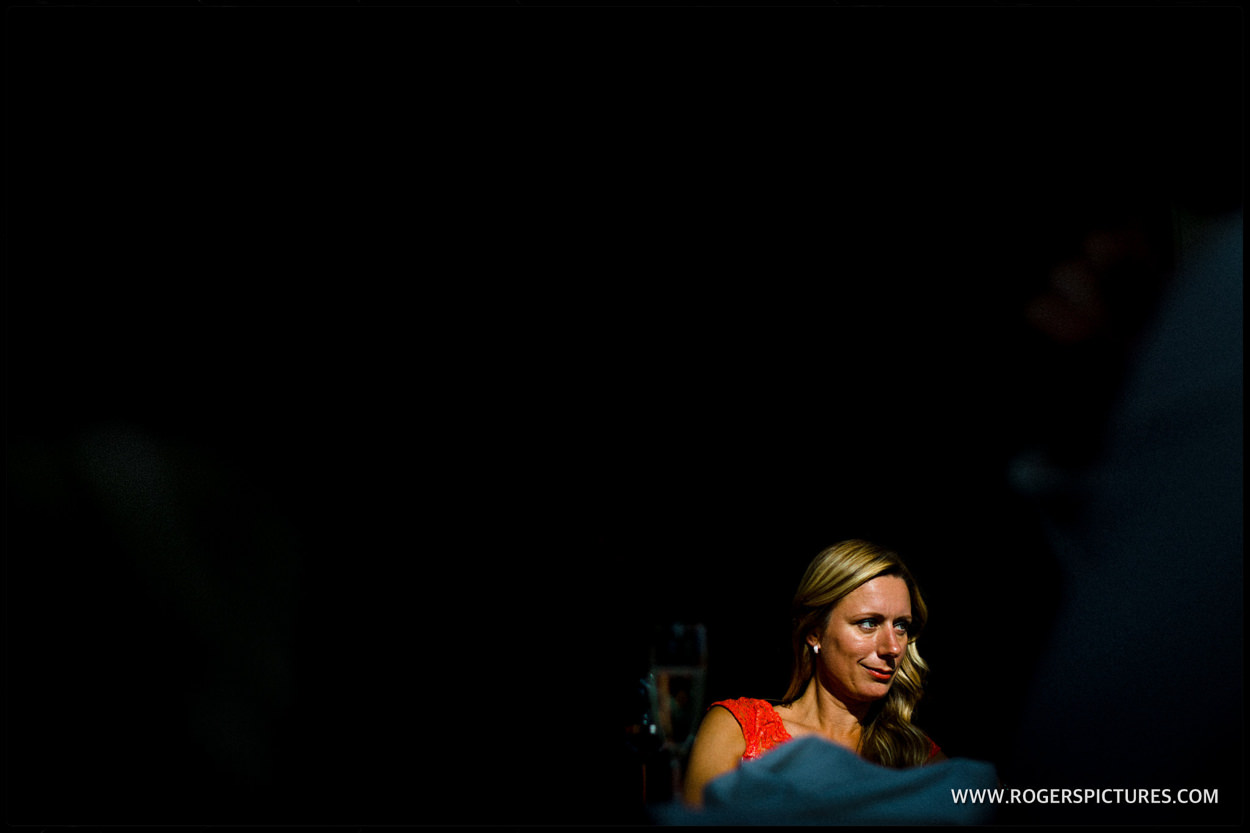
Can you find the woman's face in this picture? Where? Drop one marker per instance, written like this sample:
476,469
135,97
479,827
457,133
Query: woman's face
864,640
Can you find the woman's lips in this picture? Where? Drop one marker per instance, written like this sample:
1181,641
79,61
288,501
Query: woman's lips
878,674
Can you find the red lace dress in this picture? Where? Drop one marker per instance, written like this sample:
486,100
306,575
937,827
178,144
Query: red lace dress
762,727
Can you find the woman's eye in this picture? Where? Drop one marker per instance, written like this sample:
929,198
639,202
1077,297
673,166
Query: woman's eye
902,627
867,624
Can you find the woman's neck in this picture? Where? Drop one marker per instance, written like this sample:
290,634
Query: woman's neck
840,721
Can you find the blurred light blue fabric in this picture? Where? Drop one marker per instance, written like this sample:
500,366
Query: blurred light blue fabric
811,781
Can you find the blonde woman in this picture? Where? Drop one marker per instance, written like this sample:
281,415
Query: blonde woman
857,675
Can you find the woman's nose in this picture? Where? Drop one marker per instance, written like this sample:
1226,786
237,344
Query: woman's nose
889,645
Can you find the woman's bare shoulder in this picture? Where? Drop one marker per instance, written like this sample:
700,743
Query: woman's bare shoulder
718,748
719,720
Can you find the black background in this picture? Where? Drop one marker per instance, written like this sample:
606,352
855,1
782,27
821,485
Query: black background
376,378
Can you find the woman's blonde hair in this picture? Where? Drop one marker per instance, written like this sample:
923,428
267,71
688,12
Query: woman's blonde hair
889,738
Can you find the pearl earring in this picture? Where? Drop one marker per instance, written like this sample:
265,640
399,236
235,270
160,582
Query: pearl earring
816,649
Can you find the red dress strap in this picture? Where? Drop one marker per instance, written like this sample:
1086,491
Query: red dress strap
761,725
763,729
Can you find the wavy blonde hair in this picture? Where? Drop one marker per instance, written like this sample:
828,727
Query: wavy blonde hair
889,738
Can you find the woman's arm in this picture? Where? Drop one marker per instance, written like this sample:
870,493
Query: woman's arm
718,748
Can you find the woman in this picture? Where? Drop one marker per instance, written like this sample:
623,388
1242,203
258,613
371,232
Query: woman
856,679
